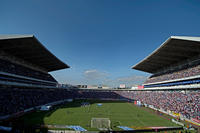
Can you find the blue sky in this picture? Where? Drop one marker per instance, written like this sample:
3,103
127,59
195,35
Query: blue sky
100,39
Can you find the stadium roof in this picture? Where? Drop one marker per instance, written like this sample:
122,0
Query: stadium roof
28,48
174,50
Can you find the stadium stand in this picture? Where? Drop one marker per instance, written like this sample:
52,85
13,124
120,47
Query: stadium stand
98,94
24,67
176,62
25,83
24,61
175,69
15,100
187,104
188,72
9,67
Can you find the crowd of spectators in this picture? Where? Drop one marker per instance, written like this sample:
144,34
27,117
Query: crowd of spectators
191,71
13,100
187,104
91,94
6,66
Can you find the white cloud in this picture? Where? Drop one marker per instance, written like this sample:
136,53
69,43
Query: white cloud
95,74
97,77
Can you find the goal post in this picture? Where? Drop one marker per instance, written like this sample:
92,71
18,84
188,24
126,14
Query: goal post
100,123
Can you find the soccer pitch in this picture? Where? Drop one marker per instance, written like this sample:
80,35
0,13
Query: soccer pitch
119,113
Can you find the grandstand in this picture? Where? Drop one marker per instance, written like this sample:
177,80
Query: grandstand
24,67
26,85
175,65
24,61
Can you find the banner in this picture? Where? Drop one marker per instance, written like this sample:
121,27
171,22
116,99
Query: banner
135,102
140,87
196,120
176,114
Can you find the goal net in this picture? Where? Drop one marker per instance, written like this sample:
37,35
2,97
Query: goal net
100,123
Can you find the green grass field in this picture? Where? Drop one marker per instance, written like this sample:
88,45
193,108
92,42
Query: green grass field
123,113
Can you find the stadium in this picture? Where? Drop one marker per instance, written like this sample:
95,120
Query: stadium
31,99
